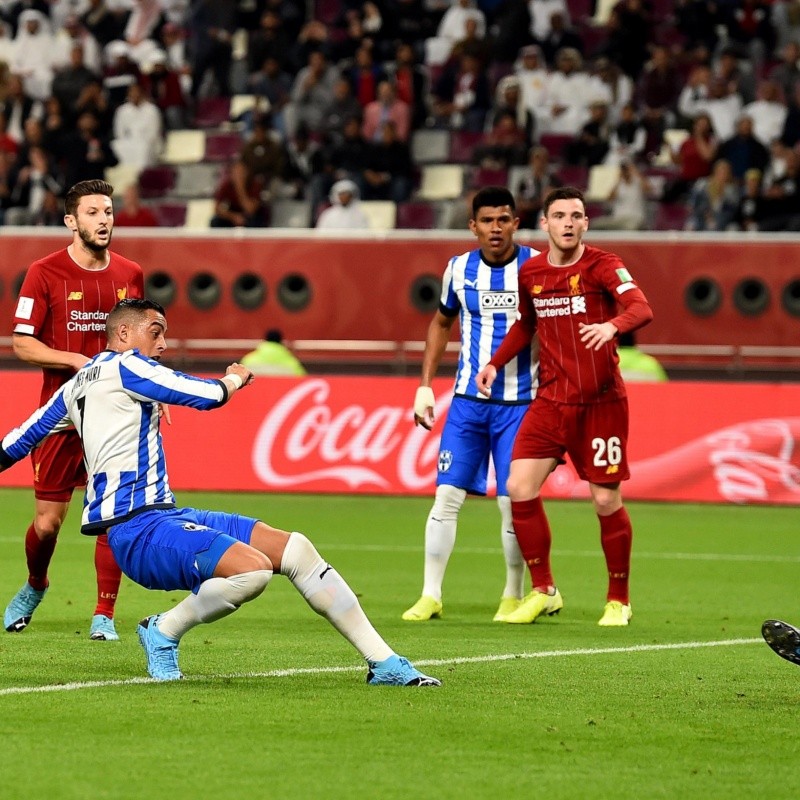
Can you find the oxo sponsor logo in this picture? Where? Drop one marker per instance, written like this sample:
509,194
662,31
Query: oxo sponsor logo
309,437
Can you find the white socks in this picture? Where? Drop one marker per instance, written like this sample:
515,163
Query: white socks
440,537
327,593
515,563
216,598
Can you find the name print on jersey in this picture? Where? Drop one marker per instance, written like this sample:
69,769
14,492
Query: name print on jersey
87,375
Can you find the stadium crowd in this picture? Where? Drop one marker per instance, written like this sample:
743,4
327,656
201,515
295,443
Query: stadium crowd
680,114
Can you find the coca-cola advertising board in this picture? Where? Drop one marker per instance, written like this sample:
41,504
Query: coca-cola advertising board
713,442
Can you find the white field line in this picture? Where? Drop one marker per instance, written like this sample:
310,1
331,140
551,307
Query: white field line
760,558
438,662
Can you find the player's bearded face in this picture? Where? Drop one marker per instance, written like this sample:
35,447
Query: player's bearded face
96,236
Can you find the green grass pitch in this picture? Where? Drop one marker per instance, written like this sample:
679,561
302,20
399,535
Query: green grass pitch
686,702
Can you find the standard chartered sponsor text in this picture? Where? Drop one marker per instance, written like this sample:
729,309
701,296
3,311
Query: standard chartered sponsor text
83,321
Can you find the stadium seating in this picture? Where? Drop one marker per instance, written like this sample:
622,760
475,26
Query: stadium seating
199,213
462,146
602,179
196,180
156,181
573,175
243,103
416,215
222,146
555,144
121,176
381,214
212,111
670,217
441,182
290,213
485,176
184,147
430,146
170,215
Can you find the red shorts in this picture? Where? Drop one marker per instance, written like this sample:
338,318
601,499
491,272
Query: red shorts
594,435
58,467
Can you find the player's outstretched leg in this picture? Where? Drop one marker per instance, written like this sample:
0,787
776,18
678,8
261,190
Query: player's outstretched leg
109,577
783,638
330,596
160,634
160,651
19,611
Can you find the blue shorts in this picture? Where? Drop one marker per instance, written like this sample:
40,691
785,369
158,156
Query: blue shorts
176,548
473,431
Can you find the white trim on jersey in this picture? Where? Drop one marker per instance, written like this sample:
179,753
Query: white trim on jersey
486,299
113,402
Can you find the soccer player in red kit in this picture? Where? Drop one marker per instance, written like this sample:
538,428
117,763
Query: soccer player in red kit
577,299
59,325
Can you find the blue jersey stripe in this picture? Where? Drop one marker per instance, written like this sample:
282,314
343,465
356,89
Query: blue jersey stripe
486,298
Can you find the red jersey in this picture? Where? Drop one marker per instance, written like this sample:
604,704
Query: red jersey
65,306
553,302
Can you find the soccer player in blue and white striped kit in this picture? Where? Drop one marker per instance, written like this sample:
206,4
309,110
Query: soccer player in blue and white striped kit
225,560
480,289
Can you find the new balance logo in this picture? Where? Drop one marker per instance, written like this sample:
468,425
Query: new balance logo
75,296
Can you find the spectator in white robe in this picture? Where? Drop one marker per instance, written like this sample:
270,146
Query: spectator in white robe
345,212
33,54
137,130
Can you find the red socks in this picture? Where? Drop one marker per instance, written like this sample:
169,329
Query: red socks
38,553
109,576
533,535
616,537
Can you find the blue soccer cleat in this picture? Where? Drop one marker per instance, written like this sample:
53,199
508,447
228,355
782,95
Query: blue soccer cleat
19,611
103,629
161,651
783,638
397,671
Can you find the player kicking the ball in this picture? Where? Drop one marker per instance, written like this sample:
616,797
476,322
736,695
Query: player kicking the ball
225,560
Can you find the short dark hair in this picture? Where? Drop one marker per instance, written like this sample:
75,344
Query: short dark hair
492,196
84,189
273,335
128,309
562,193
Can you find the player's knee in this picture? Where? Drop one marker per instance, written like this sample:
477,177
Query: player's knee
504,504
606,501
47,525
247,586
520,489
299,557
448,502
253,560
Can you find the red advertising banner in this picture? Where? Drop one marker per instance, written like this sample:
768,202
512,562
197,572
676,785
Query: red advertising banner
710,442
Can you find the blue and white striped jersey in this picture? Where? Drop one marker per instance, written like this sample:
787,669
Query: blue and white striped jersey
486,299
113,403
